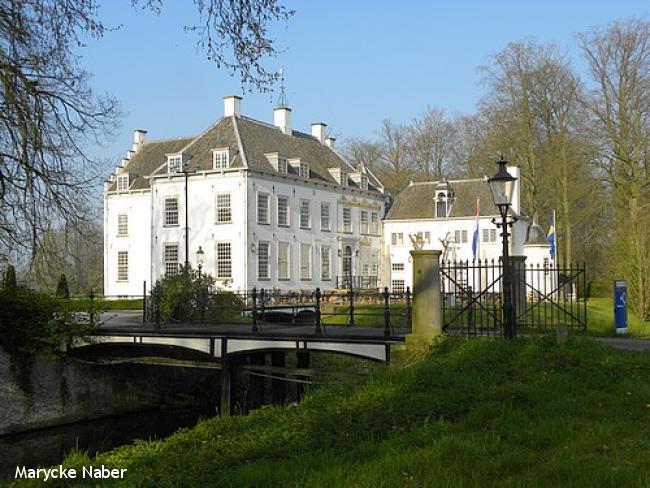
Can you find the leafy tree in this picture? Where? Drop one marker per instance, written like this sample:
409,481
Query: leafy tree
62,290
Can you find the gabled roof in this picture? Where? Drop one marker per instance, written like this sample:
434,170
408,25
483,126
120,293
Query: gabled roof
417,200
248,141
535,236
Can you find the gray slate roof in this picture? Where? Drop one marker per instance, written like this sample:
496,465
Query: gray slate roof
417,200
257,138
535,236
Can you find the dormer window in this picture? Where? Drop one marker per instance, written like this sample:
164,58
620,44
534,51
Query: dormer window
304,169
220,158
123,182
175,163
441,205
363,183
278,162
283,166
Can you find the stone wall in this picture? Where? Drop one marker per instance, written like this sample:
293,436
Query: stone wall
37,392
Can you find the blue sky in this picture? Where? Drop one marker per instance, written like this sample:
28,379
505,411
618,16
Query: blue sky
347,63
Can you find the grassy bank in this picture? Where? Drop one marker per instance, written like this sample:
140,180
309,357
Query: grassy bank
601,319
477,412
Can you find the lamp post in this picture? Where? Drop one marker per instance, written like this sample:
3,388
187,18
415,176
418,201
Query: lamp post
501,186
186,171
199,259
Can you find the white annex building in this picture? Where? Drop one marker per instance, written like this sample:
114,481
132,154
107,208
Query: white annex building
269,206
442,215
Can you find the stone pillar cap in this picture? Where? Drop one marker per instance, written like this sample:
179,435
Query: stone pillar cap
426,252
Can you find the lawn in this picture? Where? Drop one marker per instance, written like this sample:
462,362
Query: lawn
83,304
601,319
468,413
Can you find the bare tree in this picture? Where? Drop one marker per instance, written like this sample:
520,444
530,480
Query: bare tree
396,167
619,63
431,141
362,151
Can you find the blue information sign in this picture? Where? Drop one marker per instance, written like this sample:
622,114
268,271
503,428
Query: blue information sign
620,306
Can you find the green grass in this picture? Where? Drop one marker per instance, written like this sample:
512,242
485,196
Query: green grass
83,304
471,413
601,320
365,315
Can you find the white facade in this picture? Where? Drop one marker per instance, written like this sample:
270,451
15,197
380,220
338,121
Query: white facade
277,221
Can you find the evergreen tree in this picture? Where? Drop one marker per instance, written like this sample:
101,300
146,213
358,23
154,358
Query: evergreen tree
62,290
9,280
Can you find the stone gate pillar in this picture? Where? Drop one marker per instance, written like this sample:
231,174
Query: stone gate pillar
427,312
518,266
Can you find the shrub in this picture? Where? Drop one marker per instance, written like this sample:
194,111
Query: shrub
33,322
62,290
9,279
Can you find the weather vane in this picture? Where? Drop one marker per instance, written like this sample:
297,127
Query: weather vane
282,99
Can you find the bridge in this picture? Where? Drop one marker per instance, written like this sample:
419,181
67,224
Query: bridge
124,337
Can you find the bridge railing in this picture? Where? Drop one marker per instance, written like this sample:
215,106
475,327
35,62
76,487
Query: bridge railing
259,308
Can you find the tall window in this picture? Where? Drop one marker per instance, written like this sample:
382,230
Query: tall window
325,268
305,214
305,261
123,266
171,211
224,213
364,226
374,223
324,216
397,238
489,235
375,263
441,206
174,164
303,170
122,225
122,182
283,211
221,159
347,219
283,261
224,260
170,259
263,268
263,208
460,236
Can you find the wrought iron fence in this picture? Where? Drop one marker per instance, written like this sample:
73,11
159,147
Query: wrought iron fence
358,282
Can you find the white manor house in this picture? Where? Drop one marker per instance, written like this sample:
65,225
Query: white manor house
272,207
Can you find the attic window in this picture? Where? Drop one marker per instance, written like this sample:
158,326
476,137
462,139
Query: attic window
174,164
123,182
363,183
441,205
221,159
303,170
282,166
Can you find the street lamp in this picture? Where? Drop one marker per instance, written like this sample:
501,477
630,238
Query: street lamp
186,171
199,259
501,186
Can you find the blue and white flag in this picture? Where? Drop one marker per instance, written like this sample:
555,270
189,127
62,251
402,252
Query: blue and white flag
476,241
551,237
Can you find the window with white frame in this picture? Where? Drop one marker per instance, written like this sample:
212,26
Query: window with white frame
123,182
325,259
305,261
397,238
283,166
364,226
283,211
284,256
122,225
397,286
263,253
305,214
224,211
397,266
224,260
174,164
363,182
123,266
170,259
303,170
347,219
374,223
324,216
427,237
489,235
460,236
263,208
171,211
375,263
221,159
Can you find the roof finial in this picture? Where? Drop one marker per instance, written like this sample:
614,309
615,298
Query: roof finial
282,99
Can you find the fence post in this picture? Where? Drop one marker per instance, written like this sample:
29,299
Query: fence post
386,312
351,298
409,310
144,301
254,296
317,312
518,276
204,302
156,295
427,313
